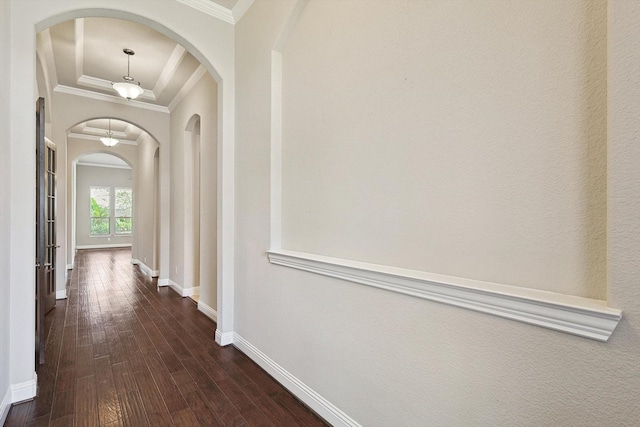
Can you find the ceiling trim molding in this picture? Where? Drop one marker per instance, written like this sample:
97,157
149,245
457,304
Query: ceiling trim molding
240,9
109,98
169,70
217,11
97,138
47,46
102,165
211,8
189,84
79,46
99,83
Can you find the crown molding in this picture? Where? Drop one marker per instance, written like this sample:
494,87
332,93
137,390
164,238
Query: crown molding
109,98
98,83
220,12
79,47
211,8
49,58
189,84
169,69
97,138
241,7
102,165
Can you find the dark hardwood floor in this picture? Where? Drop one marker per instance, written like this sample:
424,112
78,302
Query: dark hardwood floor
120,352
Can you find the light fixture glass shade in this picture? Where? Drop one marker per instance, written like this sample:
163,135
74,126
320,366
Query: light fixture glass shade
128,90
109,141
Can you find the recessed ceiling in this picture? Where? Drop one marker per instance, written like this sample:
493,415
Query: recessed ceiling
84,57
102,160
93,130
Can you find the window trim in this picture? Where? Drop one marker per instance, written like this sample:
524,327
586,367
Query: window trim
115,217
91,217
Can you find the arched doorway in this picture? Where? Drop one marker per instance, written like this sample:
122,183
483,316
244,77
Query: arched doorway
30,18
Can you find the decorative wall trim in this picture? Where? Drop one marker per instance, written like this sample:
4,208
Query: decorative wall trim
144,268
306,394
186,88
105,246
224,339
241,7
574,315
5,405
61,294
25,390
220,12
208,311
69,266
109,98
211,8
98,83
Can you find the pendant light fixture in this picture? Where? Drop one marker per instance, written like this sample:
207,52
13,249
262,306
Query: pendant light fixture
128,88
109,140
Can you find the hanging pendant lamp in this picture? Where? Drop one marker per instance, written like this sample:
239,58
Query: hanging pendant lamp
109,140
128,88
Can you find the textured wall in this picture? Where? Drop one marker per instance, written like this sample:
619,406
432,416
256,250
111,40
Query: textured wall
387,359
459,138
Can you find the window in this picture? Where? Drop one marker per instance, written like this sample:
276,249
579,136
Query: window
100,208
111,210
123,203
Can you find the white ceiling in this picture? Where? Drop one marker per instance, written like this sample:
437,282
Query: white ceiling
103,160
84,57
93,130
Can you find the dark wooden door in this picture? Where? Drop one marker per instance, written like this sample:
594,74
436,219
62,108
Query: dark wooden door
45,229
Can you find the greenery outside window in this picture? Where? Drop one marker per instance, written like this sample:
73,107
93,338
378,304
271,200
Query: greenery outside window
123,205
100,208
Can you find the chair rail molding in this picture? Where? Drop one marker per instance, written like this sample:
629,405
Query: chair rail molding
565,313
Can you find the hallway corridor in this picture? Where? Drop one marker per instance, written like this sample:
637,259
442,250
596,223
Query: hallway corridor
119,352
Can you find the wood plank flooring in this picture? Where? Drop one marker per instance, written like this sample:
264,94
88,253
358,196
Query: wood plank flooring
120,352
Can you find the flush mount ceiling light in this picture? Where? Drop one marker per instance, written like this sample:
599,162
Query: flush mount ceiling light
109,140
128,88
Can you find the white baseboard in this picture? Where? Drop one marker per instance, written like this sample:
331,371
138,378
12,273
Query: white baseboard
69,266
144,268
5,406
224,339
61,294
208,311
322,406
180,290
25,390
105,246
189,292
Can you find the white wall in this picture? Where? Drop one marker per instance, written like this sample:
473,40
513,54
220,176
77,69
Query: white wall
68,111
74,148
91,176
502,104
448,148
201,101
192,29
145,203
5,216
